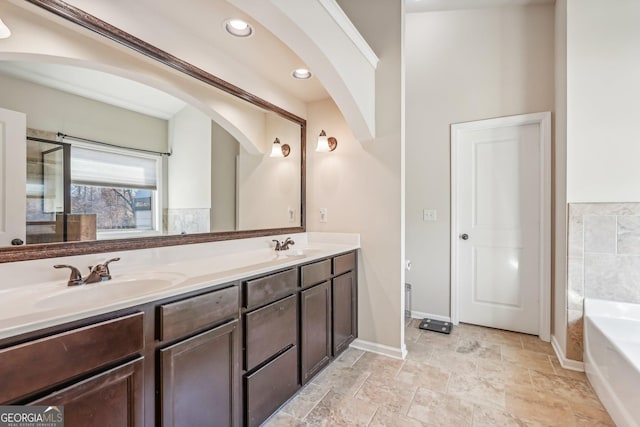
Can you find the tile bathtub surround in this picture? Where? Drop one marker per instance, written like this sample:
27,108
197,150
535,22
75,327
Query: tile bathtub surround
603,260
474,377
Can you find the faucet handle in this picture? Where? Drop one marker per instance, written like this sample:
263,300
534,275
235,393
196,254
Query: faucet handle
75,278
103,269
278,245
106,264
285,245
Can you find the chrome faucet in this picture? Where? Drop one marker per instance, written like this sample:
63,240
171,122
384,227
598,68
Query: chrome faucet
99,273
284,246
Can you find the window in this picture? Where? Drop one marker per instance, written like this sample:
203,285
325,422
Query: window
120,186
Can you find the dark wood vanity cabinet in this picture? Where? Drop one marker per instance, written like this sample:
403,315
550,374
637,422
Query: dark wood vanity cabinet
229,355
269,386
315,318
112,398
344,325
315,329
199,375
199,379
175,362
95,371
270,344
269,330
328,311
344,297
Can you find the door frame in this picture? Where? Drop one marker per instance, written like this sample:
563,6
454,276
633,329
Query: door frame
14,135
544,121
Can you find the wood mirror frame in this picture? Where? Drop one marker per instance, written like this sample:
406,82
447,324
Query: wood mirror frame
92,23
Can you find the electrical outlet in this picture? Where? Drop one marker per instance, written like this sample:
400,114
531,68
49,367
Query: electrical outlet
429,215
323,214
291,214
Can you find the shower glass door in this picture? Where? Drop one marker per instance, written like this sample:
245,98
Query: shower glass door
47,192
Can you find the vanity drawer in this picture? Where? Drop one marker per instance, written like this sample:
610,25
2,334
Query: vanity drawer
271,386
37,365
181,318
270,329
316,272
270,288
344,263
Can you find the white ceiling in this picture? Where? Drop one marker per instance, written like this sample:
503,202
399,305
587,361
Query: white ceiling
193,29
96,85
417,6
189,30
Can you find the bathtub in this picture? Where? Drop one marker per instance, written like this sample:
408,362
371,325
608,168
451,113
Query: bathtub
612,357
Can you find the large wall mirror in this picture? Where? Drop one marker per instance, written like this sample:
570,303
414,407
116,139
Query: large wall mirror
151,153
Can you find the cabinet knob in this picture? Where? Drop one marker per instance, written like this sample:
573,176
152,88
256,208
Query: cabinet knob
464,236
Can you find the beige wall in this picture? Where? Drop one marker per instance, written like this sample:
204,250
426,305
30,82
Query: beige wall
603,69
462,66
268,186
360,183
224,151
189,168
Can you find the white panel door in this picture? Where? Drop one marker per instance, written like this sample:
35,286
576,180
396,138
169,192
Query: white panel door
13,176
498,199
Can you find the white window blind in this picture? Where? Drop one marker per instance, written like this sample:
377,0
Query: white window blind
108,169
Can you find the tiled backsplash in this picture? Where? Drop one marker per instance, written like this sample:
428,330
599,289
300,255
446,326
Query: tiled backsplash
603,260
187,220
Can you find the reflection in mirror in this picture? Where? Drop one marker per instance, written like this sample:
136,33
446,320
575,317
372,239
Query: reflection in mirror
45,192
142,162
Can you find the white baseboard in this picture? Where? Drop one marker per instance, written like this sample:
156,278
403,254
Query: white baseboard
421,315
572,365
385,350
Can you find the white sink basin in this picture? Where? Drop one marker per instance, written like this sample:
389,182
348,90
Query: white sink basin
131,286
128,286
298,253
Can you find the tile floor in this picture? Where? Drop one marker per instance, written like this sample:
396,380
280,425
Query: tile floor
474,377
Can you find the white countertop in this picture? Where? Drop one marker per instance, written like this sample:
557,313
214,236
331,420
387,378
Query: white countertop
28,304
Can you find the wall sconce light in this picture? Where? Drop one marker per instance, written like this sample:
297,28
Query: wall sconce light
326,143
4,30
278,150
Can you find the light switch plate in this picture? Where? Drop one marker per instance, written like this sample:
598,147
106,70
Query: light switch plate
429,215
323,214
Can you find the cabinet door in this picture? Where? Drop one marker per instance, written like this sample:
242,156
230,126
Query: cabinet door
270,330
200,379
315,322
42,364
344,311
111,399
270,386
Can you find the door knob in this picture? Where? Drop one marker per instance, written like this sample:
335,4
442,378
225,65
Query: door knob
464,236
17,242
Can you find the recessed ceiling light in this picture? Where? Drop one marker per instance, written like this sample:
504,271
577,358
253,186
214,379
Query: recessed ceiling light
238,27
301,73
